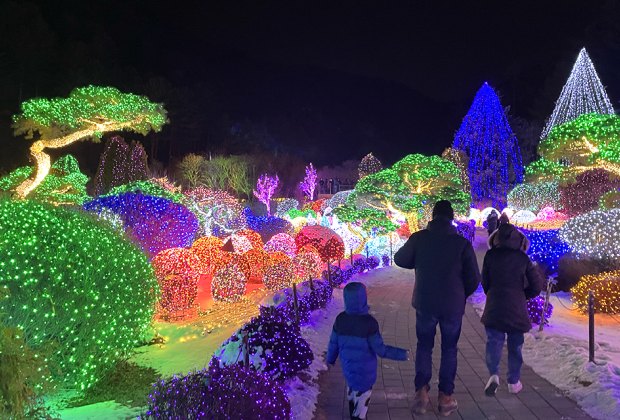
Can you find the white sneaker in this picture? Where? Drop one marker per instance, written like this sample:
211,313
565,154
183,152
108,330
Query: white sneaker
492,385
515,388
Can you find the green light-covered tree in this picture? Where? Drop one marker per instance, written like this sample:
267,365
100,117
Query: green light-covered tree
589,142
86,113
412,184
65,184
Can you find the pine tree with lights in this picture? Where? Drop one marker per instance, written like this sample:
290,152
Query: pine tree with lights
583,93
485,136
87,113
369,165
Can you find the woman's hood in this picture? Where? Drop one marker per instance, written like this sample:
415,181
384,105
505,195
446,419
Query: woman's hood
508,236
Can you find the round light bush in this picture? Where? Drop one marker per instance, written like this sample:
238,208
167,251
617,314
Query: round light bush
228,283
606,290
77,288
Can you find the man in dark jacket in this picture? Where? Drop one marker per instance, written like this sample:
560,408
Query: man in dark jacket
446,272
509,278
357,340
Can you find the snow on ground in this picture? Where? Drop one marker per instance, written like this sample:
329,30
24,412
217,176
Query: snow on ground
560,355
100,411
303,390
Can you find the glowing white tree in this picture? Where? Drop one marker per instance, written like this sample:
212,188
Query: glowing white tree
583,93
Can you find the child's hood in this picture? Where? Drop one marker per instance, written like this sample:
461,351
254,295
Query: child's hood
355,299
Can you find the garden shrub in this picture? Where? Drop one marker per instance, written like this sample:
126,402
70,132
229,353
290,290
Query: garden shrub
546,248
535,196
276,346
267,226
584,194
64,184
606,289
221,392
78,289
154,223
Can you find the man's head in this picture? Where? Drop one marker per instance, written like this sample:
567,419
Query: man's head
443,210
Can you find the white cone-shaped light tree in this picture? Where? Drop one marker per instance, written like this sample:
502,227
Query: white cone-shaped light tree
583,93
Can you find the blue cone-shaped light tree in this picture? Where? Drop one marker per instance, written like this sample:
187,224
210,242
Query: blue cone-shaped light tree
495,164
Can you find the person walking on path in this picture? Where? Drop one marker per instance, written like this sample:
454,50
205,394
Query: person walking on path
492,222
509,278
446,273
503,219
356,339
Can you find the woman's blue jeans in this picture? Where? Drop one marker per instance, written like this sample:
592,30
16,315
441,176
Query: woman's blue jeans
495,345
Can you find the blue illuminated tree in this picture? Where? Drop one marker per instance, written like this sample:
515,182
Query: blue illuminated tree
494,156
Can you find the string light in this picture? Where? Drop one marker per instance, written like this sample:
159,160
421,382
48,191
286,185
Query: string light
523,217
534,196
88,112
208,250
369,165
154,223
63,185
266,186
494,156
606,289
535,308
329,245
228,283
254,237
308,185
283,205
282,242
459,159
98,296
410,184
280,273
584,194
307,265
253,263
120,164
583,93
594,234
218,392
546,248
609,200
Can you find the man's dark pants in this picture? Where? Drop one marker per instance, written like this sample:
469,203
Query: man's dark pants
426,326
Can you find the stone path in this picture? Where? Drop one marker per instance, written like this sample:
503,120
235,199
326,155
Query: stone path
389,298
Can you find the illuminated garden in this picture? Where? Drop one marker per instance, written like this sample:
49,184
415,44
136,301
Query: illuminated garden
199,291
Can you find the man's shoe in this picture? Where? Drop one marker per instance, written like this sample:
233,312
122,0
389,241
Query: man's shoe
447,404
421,401
515,388
492,385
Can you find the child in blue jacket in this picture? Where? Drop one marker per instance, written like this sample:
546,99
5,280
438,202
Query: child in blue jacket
356,338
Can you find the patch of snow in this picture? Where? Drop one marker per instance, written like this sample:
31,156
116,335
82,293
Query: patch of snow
303,394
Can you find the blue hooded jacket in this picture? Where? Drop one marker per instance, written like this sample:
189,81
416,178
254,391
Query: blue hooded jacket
356,339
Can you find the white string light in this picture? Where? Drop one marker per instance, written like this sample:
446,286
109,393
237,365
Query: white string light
583,93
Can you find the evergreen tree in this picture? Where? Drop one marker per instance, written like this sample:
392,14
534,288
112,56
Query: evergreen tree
494,156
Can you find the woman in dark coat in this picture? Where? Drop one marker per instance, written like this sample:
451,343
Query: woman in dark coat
509,278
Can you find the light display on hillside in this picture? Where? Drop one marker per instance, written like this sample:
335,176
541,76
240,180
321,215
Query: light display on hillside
308,185
495,164
265,189
88,112
583,93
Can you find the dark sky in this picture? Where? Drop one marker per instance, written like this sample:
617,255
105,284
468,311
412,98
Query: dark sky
326,81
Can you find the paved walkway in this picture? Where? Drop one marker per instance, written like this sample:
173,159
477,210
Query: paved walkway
389,299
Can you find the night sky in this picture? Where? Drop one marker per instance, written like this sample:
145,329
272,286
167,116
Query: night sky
321,81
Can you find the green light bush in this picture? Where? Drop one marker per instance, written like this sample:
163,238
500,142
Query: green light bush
77,288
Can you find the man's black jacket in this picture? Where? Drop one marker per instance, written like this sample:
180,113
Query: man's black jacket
446,270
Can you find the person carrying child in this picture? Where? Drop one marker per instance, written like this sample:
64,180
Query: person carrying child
356,339
509,278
